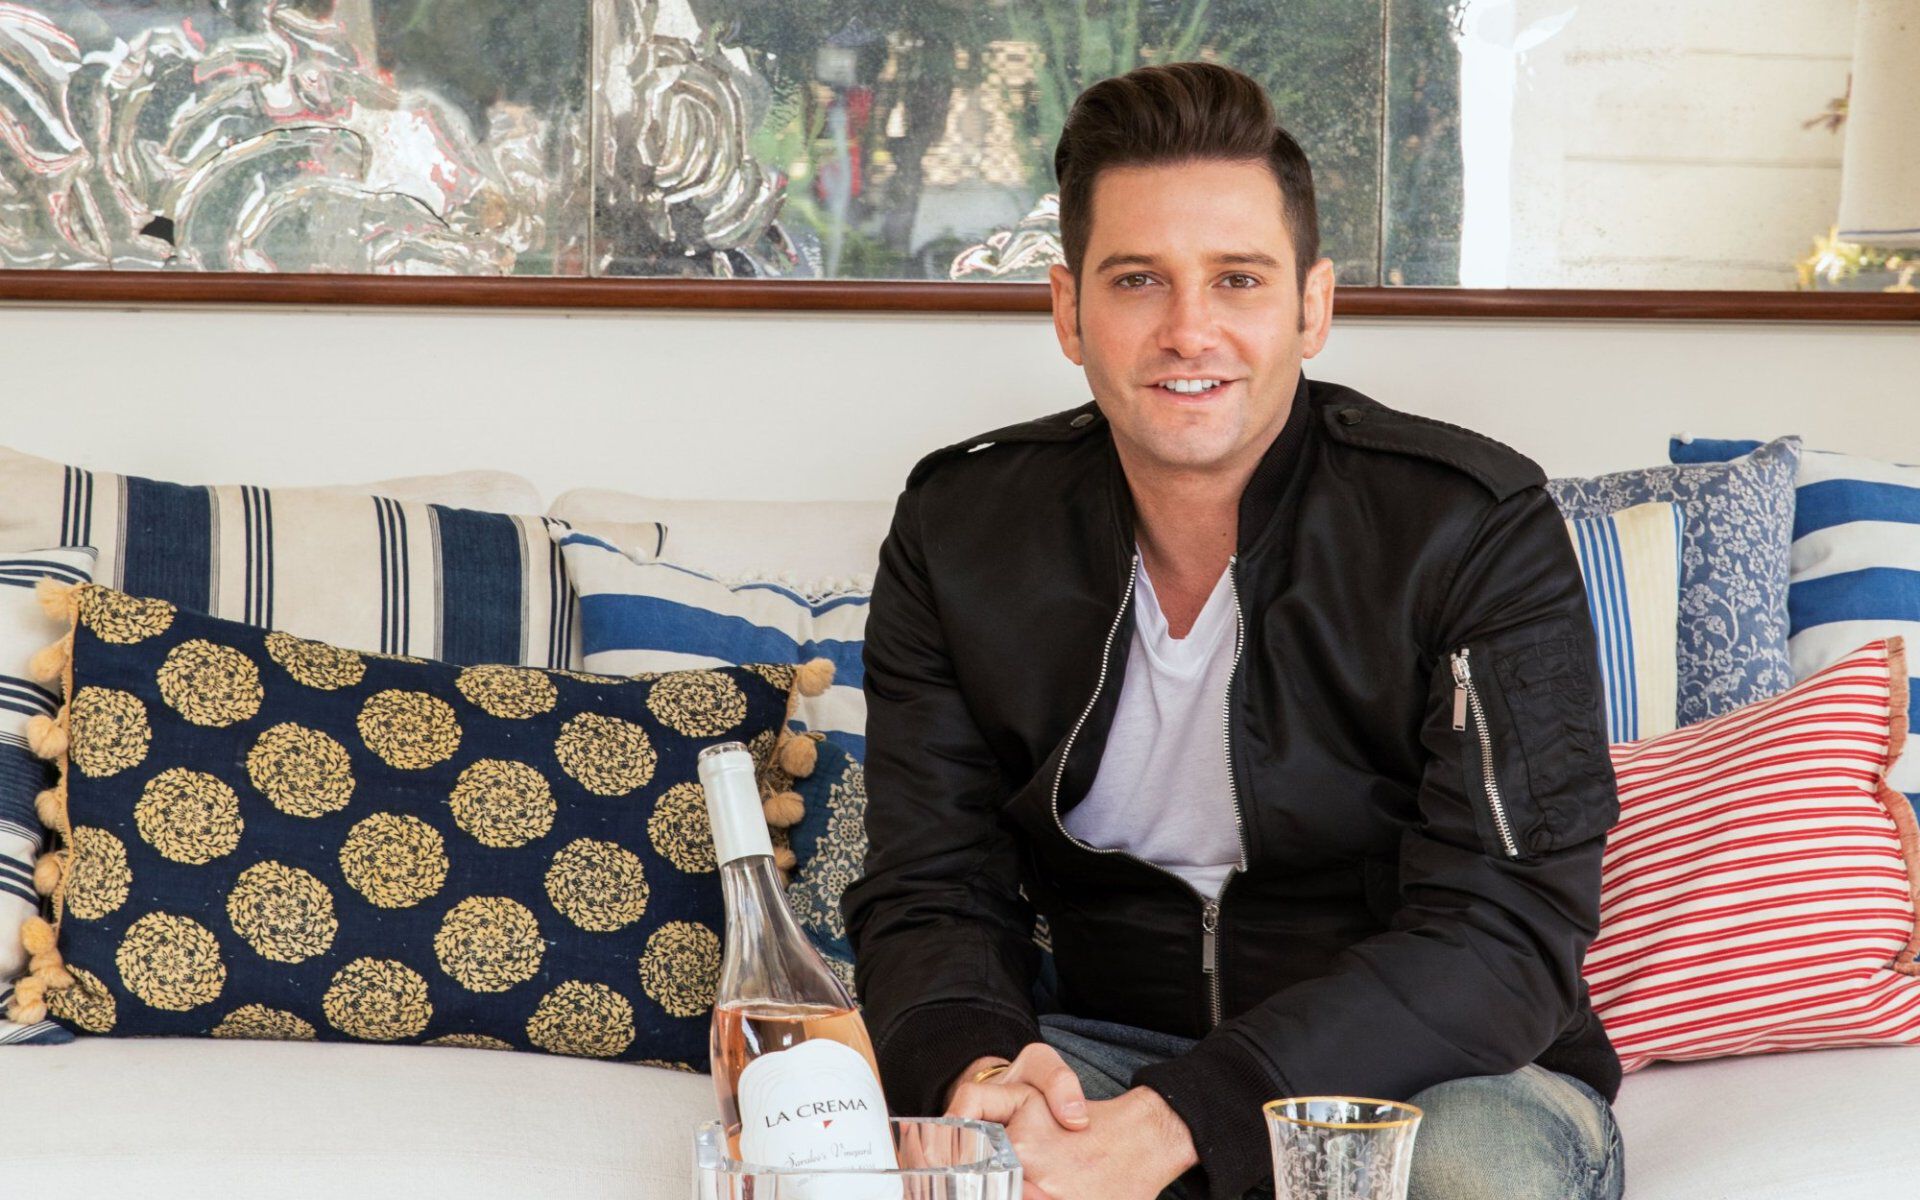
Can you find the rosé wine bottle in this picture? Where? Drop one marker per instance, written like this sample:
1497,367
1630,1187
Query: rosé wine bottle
792,1064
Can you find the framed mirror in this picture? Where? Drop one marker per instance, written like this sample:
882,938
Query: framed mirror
1509,157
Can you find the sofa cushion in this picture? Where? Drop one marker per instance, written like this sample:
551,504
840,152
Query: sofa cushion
265,836
811,546
659,615
1855,571
25,631
366,571
1759,891
167,1119
1630,561
1732,645
1772,1127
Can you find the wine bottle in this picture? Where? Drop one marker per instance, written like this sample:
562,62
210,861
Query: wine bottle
792,1064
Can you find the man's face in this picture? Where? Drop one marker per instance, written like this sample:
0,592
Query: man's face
1189,274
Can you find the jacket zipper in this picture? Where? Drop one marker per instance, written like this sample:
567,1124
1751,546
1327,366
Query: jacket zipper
1466,696
1209,907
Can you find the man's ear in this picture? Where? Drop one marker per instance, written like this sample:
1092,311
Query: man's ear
1316,308
1066,311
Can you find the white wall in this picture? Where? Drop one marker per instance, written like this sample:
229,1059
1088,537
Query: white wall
698,404
1663,145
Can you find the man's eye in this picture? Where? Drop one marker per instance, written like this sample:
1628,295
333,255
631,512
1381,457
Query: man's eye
1122,281
1249,278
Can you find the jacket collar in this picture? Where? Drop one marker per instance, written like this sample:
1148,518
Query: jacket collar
1267,487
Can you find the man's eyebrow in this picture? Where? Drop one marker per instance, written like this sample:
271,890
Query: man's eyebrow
1254,258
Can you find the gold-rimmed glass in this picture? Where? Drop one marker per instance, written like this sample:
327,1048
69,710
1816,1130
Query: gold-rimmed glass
1340,1147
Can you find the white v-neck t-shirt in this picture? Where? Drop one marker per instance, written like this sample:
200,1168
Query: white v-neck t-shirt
1162,792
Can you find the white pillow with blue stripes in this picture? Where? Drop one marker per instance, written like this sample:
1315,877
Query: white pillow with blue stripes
639,614
25,630
1630,561
1855,571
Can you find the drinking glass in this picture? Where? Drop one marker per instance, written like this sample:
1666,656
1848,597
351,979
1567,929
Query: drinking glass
941,1158
1340,1147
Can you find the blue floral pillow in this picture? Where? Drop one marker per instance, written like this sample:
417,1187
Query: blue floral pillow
264,836
830,848
1734,554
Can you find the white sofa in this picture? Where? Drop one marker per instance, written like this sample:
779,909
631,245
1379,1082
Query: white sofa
159,1119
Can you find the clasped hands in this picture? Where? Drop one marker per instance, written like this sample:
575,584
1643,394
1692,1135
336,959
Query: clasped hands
1071,1148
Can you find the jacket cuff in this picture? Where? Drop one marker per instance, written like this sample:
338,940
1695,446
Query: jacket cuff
1217,1088
933,1043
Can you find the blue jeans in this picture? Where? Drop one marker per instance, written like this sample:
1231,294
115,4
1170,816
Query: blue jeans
1532,1135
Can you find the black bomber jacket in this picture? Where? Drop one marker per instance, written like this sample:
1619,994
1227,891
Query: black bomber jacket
1415,735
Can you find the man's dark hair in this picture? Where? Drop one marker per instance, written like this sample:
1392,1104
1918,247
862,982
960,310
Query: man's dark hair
1174,113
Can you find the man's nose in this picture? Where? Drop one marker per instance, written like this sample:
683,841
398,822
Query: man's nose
1188,327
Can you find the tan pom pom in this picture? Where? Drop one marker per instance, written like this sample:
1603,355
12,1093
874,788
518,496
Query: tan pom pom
48,736
813,678
784,809
56,598
49,663
25,1014
55,976
51,804
36,935
798,754
29,991
46,873
783,858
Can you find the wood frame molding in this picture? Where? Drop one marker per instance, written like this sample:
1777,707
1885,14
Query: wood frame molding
815,295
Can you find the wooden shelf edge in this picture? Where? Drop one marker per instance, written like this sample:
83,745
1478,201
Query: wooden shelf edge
150,287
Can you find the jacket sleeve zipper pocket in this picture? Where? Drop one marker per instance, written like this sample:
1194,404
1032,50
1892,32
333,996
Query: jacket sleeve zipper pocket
1466,698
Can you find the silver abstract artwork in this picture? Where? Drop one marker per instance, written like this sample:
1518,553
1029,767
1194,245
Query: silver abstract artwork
719,139
278,144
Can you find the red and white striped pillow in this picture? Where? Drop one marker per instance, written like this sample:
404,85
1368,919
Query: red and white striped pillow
1760,890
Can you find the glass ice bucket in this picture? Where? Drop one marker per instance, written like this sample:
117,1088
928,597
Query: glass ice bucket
941,1158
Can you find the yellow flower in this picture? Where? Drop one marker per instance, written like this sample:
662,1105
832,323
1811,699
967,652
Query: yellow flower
122,619
697,703
210,684
97,876
489,943
588,1019
378,1000
680,829
259,1021
306,773
171,962
512,692
109,731
189,816
395,861
316,664
87,1004
469,1041
503,803
608,756
284,913
410,730
681,968
599,886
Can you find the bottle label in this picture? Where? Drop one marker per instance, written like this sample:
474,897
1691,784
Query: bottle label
817,1106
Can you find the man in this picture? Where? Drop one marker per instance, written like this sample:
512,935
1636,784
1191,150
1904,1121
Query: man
1280,706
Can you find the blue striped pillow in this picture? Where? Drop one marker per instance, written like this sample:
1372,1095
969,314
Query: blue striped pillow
24,631
360,571
1631,564
1855,571
650,615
